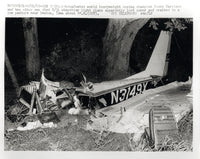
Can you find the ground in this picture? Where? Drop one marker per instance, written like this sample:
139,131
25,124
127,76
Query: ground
70,135
72,132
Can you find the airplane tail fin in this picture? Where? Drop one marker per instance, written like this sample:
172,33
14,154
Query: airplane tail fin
158,63
159,60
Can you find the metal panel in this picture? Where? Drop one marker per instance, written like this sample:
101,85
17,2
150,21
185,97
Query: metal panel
161,124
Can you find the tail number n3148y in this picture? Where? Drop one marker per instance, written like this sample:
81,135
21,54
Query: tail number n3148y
128,92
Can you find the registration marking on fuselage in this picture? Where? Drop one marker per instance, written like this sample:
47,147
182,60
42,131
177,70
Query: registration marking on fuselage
122,94
128,92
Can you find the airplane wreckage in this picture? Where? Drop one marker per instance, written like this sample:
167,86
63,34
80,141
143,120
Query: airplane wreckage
48,96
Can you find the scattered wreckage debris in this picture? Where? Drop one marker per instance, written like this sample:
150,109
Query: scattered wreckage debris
42,101
35,125
48,117
45,97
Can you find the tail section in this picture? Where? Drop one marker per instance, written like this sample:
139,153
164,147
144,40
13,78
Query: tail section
158,63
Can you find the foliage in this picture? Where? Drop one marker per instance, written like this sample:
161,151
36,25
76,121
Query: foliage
185,125
170,24
154,24
169,144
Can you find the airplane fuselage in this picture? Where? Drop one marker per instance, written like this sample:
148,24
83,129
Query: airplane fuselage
120,94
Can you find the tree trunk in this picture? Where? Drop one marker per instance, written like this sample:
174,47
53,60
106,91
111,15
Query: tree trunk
11,73
31,47
119,36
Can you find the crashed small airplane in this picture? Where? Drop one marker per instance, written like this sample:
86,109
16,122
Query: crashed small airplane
98,95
